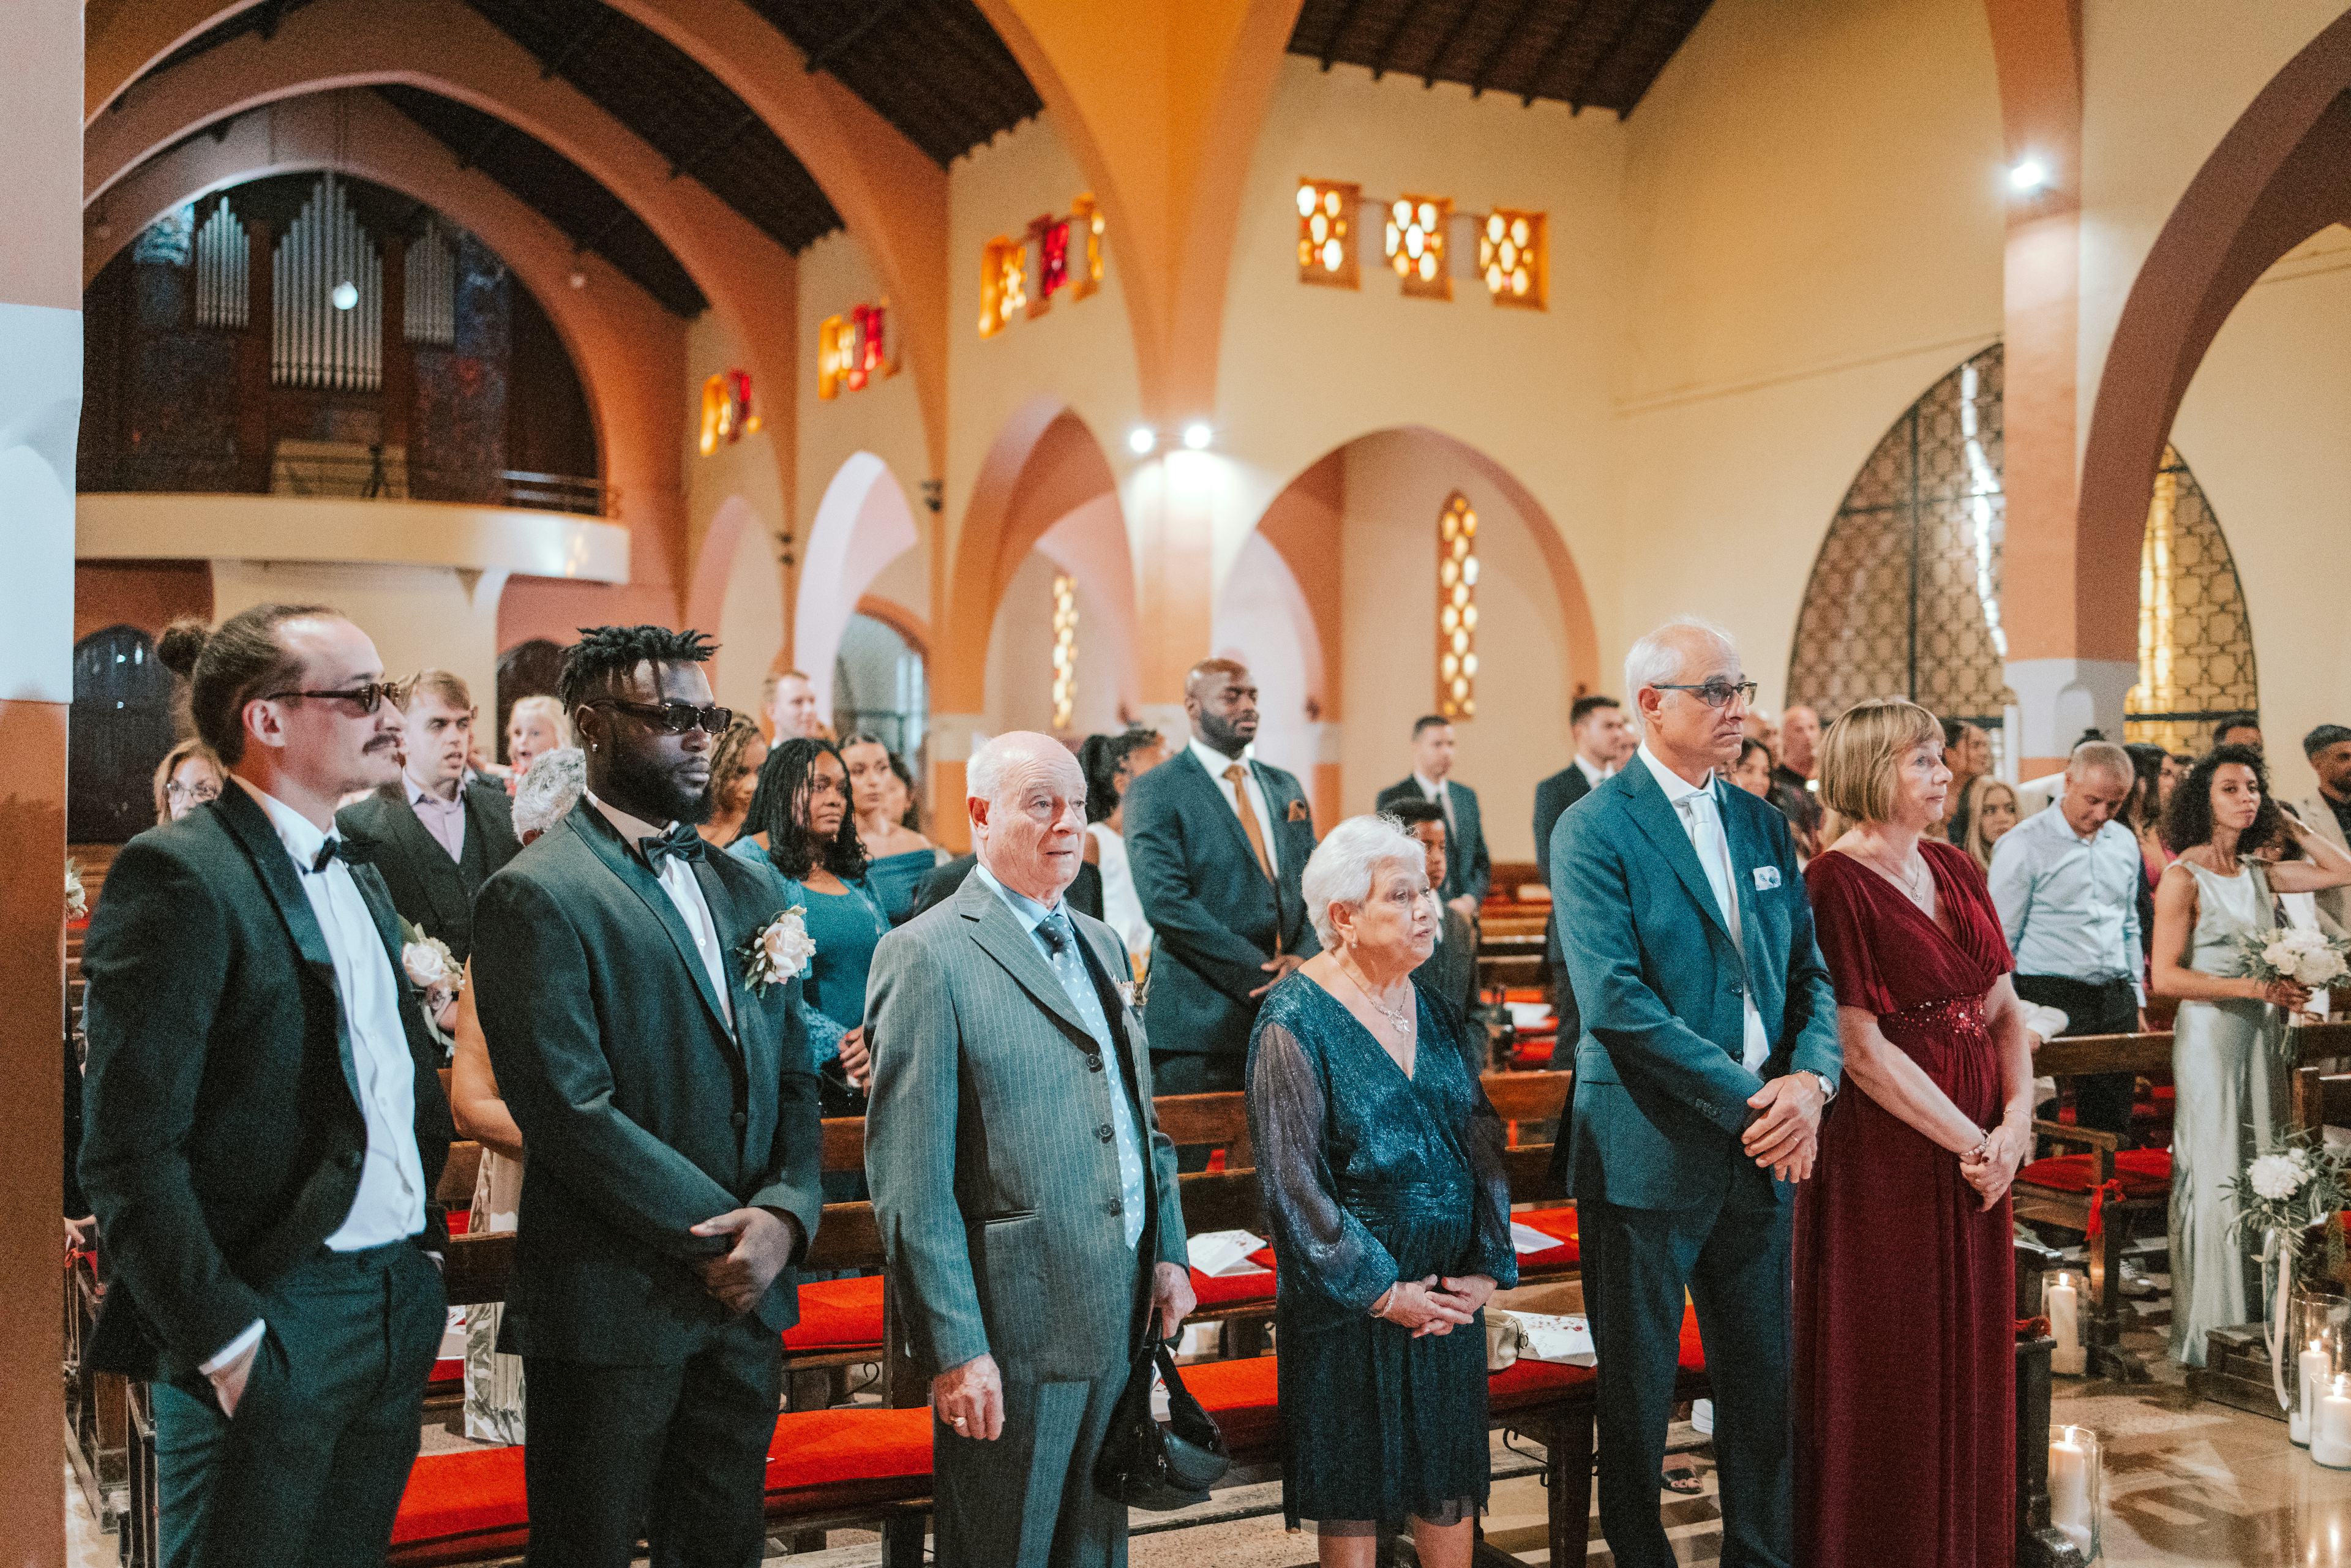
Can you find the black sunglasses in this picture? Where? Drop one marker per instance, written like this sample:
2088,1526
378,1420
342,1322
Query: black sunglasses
674,718
366,696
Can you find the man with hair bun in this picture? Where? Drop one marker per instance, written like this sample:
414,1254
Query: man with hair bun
439,831
264,1127
665,1090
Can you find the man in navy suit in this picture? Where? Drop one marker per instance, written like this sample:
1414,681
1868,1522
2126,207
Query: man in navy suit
1216,841
1469,870
1709,1047
1602,744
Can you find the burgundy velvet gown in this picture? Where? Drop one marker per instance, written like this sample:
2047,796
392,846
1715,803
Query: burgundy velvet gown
1906,1291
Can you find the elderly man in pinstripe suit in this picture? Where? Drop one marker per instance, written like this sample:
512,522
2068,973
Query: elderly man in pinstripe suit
1026,1196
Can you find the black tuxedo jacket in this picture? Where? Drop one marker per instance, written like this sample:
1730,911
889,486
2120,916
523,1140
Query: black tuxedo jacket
1467,867
428,888
643,1110
222,1136
1216,919
939,884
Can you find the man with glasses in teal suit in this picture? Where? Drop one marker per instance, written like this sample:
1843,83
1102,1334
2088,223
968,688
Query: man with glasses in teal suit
1709,1047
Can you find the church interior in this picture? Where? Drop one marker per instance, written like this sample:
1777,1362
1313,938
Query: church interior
994,361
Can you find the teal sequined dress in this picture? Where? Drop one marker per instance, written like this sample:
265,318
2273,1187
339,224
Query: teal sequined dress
1371,1176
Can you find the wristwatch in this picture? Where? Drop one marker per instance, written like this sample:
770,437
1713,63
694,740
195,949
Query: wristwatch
1828,1090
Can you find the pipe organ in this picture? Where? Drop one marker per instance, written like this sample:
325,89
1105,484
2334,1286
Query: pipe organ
430,302
316,343
223,262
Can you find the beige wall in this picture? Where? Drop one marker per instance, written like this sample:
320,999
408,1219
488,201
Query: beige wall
1021,655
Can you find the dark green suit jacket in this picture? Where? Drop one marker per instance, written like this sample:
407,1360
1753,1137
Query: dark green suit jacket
428,888
222,1136
1216,919
1660,1092
1467,867
642,1112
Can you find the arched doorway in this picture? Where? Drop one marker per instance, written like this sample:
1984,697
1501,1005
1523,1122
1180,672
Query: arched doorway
1904,596
862,524
122,728
881,687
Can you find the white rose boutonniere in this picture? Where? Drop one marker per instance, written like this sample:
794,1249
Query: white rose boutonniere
778,951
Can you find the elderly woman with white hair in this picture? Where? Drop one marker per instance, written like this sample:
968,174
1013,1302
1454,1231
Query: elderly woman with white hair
544,796
1381,1161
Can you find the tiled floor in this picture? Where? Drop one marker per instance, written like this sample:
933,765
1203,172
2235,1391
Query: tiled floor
2189,1484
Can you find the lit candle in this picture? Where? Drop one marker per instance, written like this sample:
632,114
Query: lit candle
2064,1303
2069,1487
2314,1369
2330,1427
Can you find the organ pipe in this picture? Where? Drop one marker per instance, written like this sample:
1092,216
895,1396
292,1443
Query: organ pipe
222,262
430,307
313,343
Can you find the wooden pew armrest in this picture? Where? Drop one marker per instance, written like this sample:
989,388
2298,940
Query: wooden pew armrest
2085,1137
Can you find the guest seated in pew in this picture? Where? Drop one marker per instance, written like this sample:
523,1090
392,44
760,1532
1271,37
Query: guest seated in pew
881,797
266,1216
1026,1197
802,834
1904,1267
2224,826
189,776
1451,967
1382,1169
662,1084
494,1382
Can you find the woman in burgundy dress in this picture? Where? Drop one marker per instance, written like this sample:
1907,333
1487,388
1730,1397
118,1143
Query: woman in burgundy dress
1905,1352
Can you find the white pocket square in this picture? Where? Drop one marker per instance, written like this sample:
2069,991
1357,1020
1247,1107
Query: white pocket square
1766,877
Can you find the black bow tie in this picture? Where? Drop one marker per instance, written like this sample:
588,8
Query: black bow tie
680,840
338,848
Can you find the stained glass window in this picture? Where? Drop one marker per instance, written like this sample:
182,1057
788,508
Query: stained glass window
1414,245
1003,283
1065,651
1513,258
1326,233
1089,219
1904,596
1457,609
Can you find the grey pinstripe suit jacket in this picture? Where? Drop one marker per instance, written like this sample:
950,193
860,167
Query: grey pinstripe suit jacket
988,1150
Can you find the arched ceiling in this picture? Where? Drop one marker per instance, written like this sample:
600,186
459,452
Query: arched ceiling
1593,54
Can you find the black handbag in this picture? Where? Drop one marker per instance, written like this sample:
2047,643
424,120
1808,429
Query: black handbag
1145,1464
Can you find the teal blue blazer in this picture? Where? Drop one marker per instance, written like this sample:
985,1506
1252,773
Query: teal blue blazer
1660,1092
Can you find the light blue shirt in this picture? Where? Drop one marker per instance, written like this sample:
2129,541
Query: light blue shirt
2070,905
1062,956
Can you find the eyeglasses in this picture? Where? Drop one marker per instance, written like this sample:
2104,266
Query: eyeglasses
366,696
199,793
674,718
1716,693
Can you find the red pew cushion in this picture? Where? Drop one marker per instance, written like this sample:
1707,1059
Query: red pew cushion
447,1369
460,1219
1231,1289
1559,1222
820,1449
837,1315
2144,1173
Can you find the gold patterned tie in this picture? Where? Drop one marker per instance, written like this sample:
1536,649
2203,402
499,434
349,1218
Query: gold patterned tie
1238,775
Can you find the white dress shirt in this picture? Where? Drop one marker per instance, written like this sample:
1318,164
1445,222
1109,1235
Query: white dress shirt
1436,793
676,879
1595,775
389,1204
1216,762
1701,815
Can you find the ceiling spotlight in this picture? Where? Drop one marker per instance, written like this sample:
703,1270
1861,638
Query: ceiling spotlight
578,279
346,295
2029,175
1140,440
1196,436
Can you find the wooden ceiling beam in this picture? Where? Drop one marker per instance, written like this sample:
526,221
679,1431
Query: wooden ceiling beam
1445,44
876,13
1395,33
1605,61
1329,52
1501,44
1532,88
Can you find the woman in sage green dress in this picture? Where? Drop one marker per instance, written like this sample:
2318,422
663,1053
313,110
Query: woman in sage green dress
1381,1160
2226,1054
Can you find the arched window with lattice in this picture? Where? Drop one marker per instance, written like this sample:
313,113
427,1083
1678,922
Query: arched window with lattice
1904,596
1457,609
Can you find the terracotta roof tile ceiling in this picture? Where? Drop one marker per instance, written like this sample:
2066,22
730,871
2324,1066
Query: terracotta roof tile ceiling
1591,54
565,195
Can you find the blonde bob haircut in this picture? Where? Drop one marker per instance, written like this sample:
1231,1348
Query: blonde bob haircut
1861,751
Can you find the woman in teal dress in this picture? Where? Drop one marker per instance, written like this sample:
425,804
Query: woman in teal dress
2226,1059
1381,1161
799,828
882,795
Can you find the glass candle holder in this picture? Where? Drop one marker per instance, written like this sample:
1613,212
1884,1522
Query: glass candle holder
2330,1424
2076,1486
2318,1322
2065,1302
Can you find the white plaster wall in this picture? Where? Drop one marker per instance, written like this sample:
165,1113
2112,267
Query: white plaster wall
1021,657
750,623
1262,621
2262,428
1396,487
420,617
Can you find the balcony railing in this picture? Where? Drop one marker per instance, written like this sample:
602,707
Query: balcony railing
346,471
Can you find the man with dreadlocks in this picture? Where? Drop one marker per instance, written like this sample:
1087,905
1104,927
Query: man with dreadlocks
665,1093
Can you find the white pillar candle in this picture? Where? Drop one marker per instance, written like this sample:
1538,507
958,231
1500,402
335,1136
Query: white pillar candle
2313,1370
2330,1427
2069,1487
2064,1303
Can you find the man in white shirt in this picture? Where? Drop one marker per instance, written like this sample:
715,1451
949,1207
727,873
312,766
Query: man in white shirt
264,1125
1469,870
1216,841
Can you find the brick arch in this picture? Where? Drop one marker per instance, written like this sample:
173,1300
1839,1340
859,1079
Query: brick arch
2274,181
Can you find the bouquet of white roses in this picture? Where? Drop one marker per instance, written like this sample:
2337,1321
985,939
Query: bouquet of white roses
2308,959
